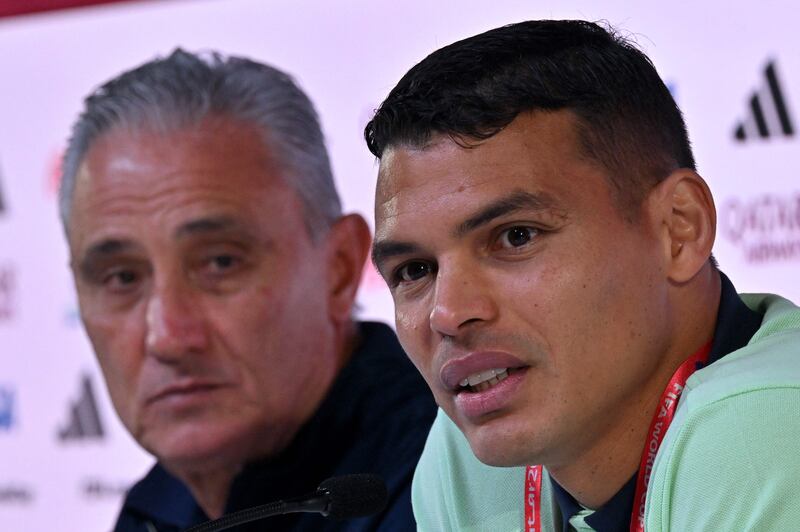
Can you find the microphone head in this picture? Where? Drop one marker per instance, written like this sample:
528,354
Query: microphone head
356,495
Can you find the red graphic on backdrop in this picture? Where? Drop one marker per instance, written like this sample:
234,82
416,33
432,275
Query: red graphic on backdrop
766,228
53,176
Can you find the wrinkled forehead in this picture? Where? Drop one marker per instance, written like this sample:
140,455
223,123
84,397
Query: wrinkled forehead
537,154
130,177
538,138
208,150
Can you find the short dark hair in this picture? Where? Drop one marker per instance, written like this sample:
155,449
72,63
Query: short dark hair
627,119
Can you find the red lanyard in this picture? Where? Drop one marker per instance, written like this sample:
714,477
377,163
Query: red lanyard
533,498
655,435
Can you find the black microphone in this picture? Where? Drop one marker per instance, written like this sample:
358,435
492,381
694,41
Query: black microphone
343,497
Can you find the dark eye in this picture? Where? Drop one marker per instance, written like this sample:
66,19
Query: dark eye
120,279
412,271
218,266
223,262
126,277
515,237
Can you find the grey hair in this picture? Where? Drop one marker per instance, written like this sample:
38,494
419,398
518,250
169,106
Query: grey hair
183,88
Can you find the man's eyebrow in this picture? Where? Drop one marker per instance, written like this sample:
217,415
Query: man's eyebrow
104,248
382,250
517,200
116,246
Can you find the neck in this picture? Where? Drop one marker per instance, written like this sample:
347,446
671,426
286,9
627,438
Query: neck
599,472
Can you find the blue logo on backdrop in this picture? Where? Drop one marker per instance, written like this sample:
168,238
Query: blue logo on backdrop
6,409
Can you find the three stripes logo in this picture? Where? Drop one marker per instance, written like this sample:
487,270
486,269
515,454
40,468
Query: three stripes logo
768,112
84,417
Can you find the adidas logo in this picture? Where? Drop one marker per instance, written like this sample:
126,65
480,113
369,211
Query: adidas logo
84,417
768,114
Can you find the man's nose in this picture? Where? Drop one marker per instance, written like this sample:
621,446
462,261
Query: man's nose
462,299
175,322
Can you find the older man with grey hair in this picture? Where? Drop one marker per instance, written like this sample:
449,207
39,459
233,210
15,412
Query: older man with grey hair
216,276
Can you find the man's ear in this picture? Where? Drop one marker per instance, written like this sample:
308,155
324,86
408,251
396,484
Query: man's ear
348,243
688,220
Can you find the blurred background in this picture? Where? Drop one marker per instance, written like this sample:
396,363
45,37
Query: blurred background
65,460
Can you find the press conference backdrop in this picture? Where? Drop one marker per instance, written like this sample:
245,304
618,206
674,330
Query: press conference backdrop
65,459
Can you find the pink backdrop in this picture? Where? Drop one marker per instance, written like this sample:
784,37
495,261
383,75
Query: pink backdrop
64,458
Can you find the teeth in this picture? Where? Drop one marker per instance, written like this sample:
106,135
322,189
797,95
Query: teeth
480,377
485,379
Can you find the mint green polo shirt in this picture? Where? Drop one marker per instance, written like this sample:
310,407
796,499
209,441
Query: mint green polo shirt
729,461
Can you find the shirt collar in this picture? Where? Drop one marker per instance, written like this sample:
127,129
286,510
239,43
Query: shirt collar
736,323
164,499
608,517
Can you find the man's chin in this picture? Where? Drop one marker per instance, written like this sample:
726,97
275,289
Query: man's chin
498,448
193,447
497,457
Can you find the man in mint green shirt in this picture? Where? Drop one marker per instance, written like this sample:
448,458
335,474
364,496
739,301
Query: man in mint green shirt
547,241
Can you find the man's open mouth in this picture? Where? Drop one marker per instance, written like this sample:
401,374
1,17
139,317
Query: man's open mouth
479,382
